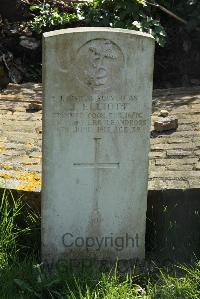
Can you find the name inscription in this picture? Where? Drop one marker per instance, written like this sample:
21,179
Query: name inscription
99,114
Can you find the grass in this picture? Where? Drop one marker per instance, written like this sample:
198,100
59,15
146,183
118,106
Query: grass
22,275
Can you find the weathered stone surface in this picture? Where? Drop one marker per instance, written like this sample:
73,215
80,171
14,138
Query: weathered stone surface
179,153
177,167
18,138
185,161
18,97
197,166
96,142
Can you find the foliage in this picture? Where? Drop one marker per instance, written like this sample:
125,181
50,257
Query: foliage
129,14
15,229
9,230
28,280
185,286
49,18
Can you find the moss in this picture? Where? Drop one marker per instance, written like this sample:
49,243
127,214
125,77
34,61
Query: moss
7,166
26,163
6,176
2,148
29,181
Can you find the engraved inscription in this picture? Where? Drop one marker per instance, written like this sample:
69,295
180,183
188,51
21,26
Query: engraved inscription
99,63
104,114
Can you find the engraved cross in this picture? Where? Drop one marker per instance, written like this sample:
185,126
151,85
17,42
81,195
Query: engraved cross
96,164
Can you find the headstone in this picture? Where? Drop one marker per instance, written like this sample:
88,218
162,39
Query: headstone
96,128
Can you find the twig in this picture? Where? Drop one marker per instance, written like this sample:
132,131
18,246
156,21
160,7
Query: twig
5,62
168,12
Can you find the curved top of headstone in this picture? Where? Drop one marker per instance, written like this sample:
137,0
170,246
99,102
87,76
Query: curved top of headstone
96,29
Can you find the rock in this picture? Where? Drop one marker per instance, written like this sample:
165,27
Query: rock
30,43
166,123
164,113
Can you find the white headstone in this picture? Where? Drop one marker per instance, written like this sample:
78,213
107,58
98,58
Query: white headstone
96,122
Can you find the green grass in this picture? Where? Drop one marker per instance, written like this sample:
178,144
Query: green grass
9,231
22,275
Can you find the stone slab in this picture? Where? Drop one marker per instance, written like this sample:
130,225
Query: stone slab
96,143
